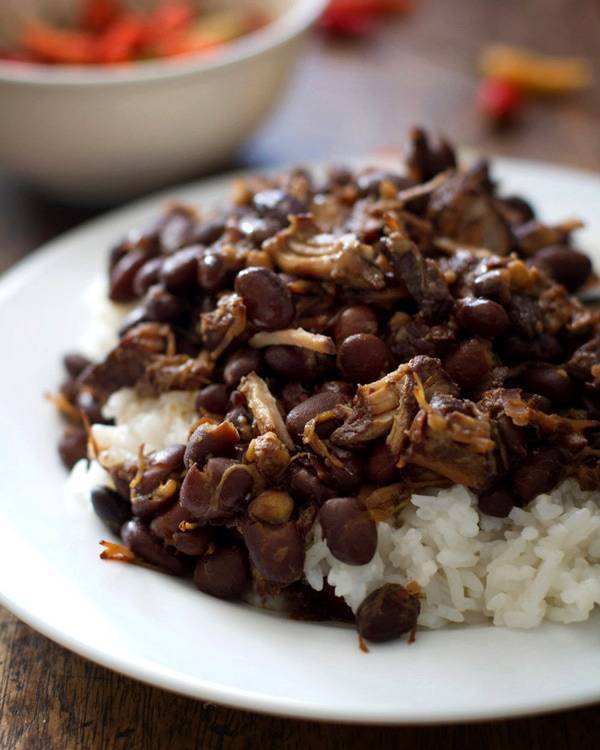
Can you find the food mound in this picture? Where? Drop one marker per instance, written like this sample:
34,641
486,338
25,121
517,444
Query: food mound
367,396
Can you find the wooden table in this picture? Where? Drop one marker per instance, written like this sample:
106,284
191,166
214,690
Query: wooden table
346,98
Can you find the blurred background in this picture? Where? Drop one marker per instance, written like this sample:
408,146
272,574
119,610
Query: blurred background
365,73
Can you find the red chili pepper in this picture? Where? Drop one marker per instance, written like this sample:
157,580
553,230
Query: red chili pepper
122,40
358,17
169,18
347,21
48,44
499,100
99,15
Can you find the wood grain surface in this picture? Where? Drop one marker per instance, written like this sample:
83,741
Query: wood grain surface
345,98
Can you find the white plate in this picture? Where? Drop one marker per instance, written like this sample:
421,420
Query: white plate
159,629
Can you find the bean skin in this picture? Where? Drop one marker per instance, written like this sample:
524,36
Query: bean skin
355,319
213,398
179,272
267,299
363,357
75,364
212,272
224,573
540,473
387,613
482,317
277,552
240,363
551,382
193,542
123,274
210,439
381,467
136,535
72,446
300,415
306,486
147,275
161,306
295,363
564,264
110,508
348,529
469,364
497,503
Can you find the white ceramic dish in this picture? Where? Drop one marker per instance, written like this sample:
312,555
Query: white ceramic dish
161,630
97,134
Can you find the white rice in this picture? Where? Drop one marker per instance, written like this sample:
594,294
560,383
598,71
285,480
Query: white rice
542,562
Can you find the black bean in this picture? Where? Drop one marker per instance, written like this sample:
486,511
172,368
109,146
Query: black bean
363,357
514,438
193,542
196,492
166,524
213,398
278,204
583,359
469,364
132,319
179,272
291,395
545,348
525,316
110,508
387,613
564,264
519,209
72,446
212,272
267,299
349,530
306,486
300,415
210,439
161,306
482,317
277,552
241,363
208,232
224,573
381,466
347,478
75,363
90,407
147,275
235,487
241,419
272,506
205,500
355,319
540,473
136,535
258,229
551,382
494,284
498,503
159,466
296,363
123,274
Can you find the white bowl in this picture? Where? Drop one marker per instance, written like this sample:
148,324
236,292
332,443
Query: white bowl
98,133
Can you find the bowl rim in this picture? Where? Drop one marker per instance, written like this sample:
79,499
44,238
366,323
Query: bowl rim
290,24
